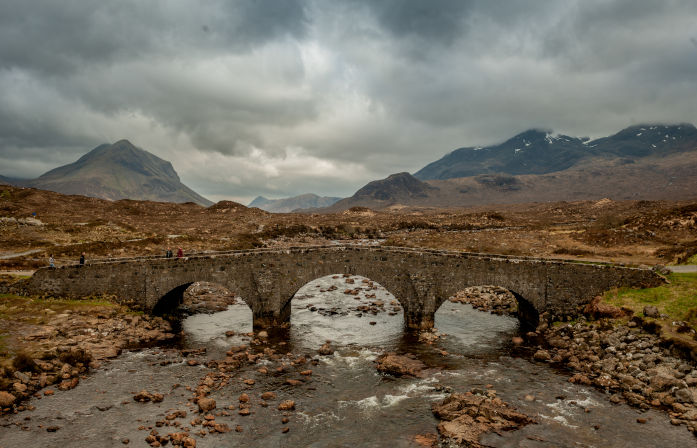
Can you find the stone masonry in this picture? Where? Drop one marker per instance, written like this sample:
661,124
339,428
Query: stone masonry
420,279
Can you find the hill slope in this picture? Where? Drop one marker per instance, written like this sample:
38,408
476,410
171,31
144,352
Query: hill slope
287,205
118,171
400,188
541,152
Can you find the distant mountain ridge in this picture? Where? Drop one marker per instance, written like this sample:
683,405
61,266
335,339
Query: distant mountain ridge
639,162
117,171
539,152
287,205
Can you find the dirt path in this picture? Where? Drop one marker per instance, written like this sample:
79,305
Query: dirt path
684,268
8,255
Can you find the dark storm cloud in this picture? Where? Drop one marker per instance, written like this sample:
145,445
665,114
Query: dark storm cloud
284,97
57,36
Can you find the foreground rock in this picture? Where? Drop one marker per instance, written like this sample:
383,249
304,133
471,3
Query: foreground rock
465,417
400,365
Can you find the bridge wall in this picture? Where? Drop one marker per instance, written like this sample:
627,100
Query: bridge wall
420,279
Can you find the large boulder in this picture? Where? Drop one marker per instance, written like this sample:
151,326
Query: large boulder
400,365
465,417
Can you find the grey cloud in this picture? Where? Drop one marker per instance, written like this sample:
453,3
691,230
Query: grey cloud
373,87
64,36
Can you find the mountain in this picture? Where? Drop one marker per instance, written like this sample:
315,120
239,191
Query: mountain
118,171
286,205
640,162
540,152
400,188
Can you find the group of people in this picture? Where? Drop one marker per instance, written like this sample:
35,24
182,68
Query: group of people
52,261
168,253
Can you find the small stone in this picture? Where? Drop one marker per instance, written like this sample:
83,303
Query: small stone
125,441
641,420
529,398
244,398
517,340
53,428
268,396
285,420
286,405
285,429
244,412
263,334
249,382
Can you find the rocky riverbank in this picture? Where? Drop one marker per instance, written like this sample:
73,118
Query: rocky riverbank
55,343
627,361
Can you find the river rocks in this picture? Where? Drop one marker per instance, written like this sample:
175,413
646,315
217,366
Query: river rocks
399,365
6,399
465,417
268,396
542,355
144,396
206,404
634,366
286,405
326,349
494,299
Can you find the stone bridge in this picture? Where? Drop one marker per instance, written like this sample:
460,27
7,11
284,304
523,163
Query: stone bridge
421,279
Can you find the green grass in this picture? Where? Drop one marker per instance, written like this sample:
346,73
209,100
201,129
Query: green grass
678,299
691,260
30,309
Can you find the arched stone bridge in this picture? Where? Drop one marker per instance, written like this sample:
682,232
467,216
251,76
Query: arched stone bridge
267,279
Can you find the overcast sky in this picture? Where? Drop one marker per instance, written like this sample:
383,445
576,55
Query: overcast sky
278,98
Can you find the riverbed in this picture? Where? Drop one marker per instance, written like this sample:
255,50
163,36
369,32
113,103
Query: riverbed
343,401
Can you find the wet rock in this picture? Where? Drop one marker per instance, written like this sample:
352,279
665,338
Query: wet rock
399,365
292,382
286,405
426,440
465,417
542,355
6,399
244,398
206,404
326,349
268,396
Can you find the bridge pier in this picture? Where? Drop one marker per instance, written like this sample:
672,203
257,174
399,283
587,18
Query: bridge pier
419,321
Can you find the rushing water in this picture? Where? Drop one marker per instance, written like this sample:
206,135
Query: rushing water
346,402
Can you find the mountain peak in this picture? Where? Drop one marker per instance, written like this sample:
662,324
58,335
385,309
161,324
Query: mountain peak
119,171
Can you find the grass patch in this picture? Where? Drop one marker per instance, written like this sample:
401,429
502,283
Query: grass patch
33,309
691,260
678,300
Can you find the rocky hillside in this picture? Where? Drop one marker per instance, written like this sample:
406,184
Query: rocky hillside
118,171
541,152
400,188
287,205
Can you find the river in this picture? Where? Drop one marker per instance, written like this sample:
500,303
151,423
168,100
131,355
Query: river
345,402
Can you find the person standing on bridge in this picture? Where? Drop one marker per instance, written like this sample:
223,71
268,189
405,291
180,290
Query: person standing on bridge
82,259
180,253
